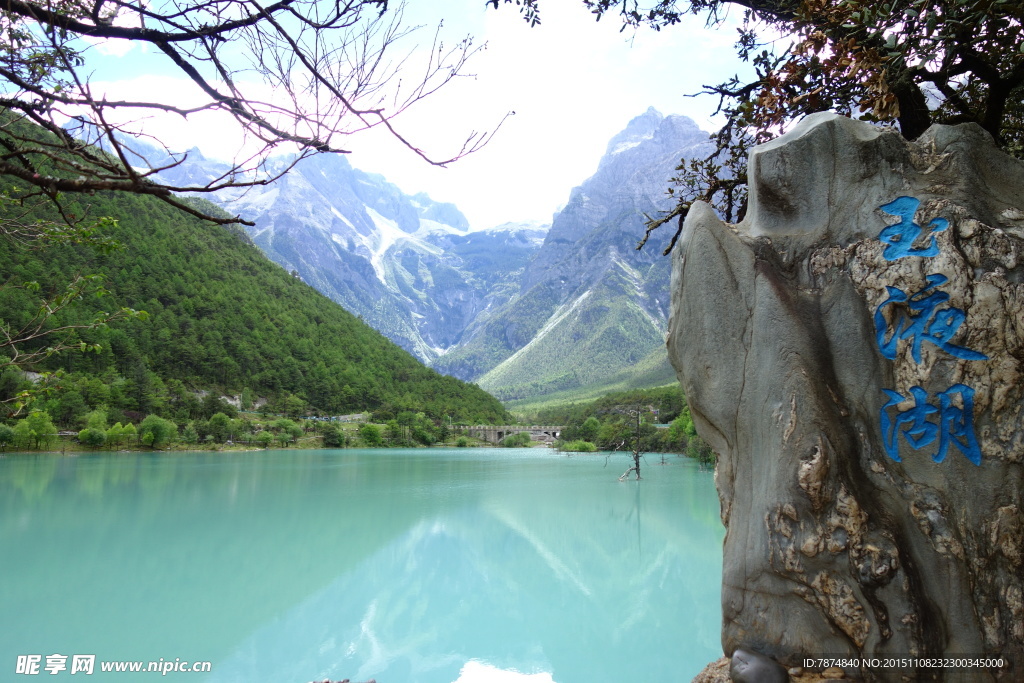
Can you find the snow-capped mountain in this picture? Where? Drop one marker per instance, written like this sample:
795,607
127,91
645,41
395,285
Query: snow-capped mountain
590,308
408,265
522,309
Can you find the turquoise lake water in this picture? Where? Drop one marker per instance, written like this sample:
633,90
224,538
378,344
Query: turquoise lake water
407,566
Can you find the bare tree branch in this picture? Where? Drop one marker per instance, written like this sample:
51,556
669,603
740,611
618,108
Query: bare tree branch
332,67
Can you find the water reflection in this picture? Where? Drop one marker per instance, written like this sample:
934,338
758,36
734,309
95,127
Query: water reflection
403,566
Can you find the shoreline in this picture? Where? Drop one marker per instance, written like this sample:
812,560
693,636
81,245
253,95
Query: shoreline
68,453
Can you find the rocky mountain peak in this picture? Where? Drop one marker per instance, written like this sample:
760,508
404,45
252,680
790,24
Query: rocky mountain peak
589,307
640,128
630,180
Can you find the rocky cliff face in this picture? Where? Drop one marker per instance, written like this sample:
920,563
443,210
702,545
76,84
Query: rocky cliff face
407,264
590,307
854,352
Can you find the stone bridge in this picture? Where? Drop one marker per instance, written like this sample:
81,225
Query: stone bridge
494,434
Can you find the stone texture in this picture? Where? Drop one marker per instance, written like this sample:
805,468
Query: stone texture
715,672
752,667
833,546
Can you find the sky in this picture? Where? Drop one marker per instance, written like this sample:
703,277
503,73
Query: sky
572,82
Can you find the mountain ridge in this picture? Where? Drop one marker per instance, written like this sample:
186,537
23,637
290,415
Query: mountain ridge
496,306
589,306
375,250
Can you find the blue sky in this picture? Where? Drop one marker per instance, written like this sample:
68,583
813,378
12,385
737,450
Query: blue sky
572,82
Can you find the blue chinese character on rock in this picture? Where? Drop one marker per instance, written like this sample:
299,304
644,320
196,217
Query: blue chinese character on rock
901,236
924,322
955,424
912,423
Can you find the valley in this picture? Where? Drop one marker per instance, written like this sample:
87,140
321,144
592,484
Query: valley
531,314
524,310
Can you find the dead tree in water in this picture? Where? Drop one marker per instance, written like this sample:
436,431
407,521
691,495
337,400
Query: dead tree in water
636,414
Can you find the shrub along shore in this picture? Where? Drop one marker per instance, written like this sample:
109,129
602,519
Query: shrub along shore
227,429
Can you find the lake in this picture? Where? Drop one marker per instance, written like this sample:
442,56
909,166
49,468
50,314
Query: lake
407,566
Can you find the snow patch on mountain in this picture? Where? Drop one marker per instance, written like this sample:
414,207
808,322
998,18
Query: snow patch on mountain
342,217
429,227
388,233
627,145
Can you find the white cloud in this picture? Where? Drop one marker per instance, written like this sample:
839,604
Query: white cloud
114,48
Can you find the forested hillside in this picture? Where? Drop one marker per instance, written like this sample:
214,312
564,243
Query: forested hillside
222,317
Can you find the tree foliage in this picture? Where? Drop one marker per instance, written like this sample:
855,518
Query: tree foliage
157,432
905,63
371,435
334,437
36,430
33,337
297,76
7,437
92,438
517,440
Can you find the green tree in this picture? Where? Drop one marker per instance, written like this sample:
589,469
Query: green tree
577,446
293,406
96,419
95,391
517,440
247,399
238,428
142,386
333,437
12,381
612,435
129,434
698,449
287,430
219,423
370,435
202,428
424,434
588,431
394,433
681,430
157,432
70,408
34,337
115,435
92,438
7,437
189,435
264,438
213,404
35,430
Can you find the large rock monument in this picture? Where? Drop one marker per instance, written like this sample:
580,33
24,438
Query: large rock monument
854,351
